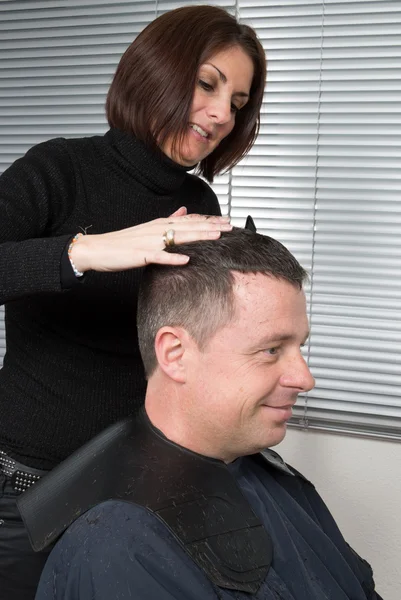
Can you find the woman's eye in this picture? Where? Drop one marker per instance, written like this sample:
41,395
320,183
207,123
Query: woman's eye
206,86
234,108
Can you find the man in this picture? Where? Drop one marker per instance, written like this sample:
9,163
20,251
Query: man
185,506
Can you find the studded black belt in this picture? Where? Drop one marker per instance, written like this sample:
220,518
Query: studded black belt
22,476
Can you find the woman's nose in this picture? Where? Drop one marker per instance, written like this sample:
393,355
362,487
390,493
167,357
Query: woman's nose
220,110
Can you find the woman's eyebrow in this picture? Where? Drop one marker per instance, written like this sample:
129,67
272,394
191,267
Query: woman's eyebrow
221,74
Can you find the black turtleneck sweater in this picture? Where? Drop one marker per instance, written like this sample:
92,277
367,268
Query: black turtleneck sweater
72,365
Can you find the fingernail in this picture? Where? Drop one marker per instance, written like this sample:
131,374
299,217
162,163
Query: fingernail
226,227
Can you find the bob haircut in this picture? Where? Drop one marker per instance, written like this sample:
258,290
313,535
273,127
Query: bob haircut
152,90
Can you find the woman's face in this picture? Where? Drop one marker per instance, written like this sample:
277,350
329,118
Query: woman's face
222,89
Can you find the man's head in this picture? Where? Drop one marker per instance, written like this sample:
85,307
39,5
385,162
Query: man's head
220,339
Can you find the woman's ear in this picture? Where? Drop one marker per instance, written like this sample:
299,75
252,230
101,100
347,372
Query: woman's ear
170,348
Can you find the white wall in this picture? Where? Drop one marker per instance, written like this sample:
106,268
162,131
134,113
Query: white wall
360,481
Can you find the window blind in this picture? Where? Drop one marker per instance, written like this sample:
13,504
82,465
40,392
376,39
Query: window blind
323,176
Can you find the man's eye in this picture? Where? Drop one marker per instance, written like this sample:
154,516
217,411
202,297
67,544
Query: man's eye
206,86
272,351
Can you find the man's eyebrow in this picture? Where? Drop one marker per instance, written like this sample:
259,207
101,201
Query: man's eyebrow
223,78
284,337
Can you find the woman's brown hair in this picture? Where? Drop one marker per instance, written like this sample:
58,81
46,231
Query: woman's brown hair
152,90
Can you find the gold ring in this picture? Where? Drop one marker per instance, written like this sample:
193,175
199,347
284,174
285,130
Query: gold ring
168,237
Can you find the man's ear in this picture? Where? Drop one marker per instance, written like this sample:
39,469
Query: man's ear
171,343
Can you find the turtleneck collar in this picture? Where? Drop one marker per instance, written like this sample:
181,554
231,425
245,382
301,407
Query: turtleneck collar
156,172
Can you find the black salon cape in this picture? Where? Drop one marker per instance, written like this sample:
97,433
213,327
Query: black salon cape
120,551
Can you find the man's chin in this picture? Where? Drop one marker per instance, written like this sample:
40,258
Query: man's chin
277,435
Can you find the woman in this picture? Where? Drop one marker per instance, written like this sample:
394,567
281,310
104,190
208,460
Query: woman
187,92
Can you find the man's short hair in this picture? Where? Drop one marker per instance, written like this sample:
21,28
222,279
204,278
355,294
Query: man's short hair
199,296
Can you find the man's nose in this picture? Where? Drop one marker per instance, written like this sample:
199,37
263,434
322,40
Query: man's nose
297,375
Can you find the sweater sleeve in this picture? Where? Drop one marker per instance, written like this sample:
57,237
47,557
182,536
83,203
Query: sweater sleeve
36,195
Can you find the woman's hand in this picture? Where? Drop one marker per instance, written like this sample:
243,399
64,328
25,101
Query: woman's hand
143,244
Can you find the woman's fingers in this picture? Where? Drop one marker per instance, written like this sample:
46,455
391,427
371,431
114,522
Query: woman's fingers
201,226
196,227
185,237
181,212
185,218
215,218
167,258
204,218
160,226
182,237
